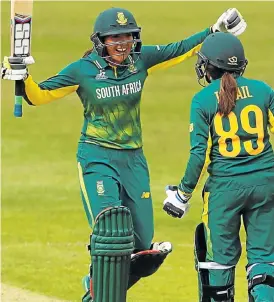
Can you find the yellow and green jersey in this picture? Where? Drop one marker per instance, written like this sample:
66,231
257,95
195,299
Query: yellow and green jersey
236,144
111,95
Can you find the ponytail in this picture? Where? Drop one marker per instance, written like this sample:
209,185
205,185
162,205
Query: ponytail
228,94
89,51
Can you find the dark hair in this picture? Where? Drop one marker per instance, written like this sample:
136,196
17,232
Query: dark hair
228,94
89,51
228,89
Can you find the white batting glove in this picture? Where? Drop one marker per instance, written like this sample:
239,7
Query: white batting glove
219,25
15,68
164,246
176,204
230,21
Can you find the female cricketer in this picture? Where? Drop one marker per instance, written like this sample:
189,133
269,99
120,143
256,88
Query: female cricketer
113,171
229,121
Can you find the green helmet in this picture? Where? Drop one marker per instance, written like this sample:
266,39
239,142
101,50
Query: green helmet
223,51
115,21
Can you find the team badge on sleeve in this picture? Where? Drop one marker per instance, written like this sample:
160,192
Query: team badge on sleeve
191,127
100,187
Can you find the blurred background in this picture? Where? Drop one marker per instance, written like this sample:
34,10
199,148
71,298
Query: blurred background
44,228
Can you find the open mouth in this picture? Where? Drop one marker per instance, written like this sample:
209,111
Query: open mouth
121,50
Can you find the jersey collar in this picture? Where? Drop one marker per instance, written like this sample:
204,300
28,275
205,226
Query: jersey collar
98,61
102,64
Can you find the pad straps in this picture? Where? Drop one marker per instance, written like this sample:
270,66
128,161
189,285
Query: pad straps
218,293
260,279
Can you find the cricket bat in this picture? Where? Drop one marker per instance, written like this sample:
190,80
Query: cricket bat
21,19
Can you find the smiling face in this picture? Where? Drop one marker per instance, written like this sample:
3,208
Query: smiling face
119,47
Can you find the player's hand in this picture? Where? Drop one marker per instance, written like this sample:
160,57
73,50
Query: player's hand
230,21
176,204
163,246
15,68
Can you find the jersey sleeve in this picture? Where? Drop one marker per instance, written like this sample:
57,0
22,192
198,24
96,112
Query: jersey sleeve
200,142
56,87
271,112
163,56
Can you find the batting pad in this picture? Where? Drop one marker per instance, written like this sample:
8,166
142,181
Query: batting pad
112,244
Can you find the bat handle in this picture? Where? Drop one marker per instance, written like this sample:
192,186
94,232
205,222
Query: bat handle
19,86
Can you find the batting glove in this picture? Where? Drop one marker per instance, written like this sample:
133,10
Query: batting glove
230,21
164,246
176,204
15,68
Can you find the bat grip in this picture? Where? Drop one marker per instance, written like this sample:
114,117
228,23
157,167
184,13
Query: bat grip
19,87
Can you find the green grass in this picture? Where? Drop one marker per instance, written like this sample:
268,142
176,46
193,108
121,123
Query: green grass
44,229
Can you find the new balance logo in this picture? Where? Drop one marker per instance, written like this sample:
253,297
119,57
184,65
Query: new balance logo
145,195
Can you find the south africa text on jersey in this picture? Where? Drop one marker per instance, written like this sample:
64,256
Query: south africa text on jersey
118,90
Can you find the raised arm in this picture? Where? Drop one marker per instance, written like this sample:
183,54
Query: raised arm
56,87
164,56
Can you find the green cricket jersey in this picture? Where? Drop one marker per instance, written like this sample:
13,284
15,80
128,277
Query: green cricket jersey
236,144
111,95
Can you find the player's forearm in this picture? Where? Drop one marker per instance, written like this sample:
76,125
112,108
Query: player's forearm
188,46
193,41
165,56
37,95
193,172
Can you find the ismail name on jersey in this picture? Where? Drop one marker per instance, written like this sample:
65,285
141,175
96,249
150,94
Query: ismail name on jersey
118,90
242,93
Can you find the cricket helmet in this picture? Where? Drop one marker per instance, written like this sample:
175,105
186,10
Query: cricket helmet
115,21
223,51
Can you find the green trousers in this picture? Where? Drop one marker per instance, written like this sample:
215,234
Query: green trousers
112,177
227,200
